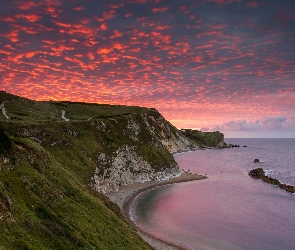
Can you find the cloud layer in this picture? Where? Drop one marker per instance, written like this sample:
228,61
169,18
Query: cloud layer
201,63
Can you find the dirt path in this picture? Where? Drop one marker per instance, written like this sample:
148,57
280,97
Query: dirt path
63,116
4,110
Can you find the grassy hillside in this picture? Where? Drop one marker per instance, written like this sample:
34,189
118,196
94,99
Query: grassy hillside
46,165
45,203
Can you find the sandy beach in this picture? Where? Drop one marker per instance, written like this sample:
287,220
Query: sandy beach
126,194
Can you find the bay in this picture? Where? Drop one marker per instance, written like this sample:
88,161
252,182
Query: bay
229,210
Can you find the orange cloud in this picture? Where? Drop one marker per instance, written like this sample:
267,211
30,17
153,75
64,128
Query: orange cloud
31,54
103,26
104,51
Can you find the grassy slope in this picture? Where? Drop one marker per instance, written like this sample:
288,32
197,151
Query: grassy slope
45,204
45,198
204,139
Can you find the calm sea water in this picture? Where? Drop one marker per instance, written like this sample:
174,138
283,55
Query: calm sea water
229,210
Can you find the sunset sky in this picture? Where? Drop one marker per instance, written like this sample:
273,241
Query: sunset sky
226,65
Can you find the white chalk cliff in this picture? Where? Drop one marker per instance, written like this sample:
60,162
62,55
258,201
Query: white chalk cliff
126,165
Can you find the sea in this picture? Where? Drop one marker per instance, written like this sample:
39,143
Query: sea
229,210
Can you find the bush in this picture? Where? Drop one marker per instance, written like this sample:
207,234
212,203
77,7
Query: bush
5,143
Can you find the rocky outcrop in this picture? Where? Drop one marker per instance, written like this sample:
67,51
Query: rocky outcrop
147,139
127,167
259,173
172,138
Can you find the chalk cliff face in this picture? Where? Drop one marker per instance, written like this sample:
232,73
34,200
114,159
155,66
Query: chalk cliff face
143,153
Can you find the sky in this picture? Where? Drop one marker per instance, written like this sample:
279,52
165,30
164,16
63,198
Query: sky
226,65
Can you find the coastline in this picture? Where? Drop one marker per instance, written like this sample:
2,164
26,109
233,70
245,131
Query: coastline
126,195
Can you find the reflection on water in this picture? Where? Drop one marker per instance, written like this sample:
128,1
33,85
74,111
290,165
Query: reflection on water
229,210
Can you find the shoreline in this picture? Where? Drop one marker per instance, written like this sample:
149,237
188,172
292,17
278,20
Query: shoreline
126,195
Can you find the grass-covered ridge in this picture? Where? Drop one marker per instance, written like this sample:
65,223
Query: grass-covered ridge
205,139
24,110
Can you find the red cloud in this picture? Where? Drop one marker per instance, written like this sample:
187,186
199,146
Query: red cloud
109,14
13,36
7,19
116,6
162,9
162,27
79,8
48,42
31,54
26,5
67,25
5,52
116,34
30,17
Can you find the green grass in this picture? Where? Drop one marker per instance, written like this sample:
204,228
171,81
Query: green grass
24,110
204,139
45,204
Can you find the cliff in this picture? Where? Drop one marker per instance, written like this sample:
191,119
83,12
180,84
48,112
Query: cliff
54,156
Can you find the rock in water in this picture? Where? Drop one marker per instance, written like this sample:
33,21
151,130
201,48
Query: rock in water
258,173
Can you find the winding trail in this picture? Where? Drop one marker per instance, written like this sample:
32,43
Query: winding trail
63,116
4,110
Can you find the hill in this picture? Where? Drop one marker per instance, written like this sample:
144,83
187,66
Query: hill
58,159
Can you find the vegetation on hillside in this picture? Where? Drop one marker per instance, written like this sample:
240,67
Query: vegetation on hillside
204,139
46,201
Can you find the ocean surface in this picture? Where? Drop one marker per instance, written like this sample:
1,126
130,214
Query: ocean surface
229,210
